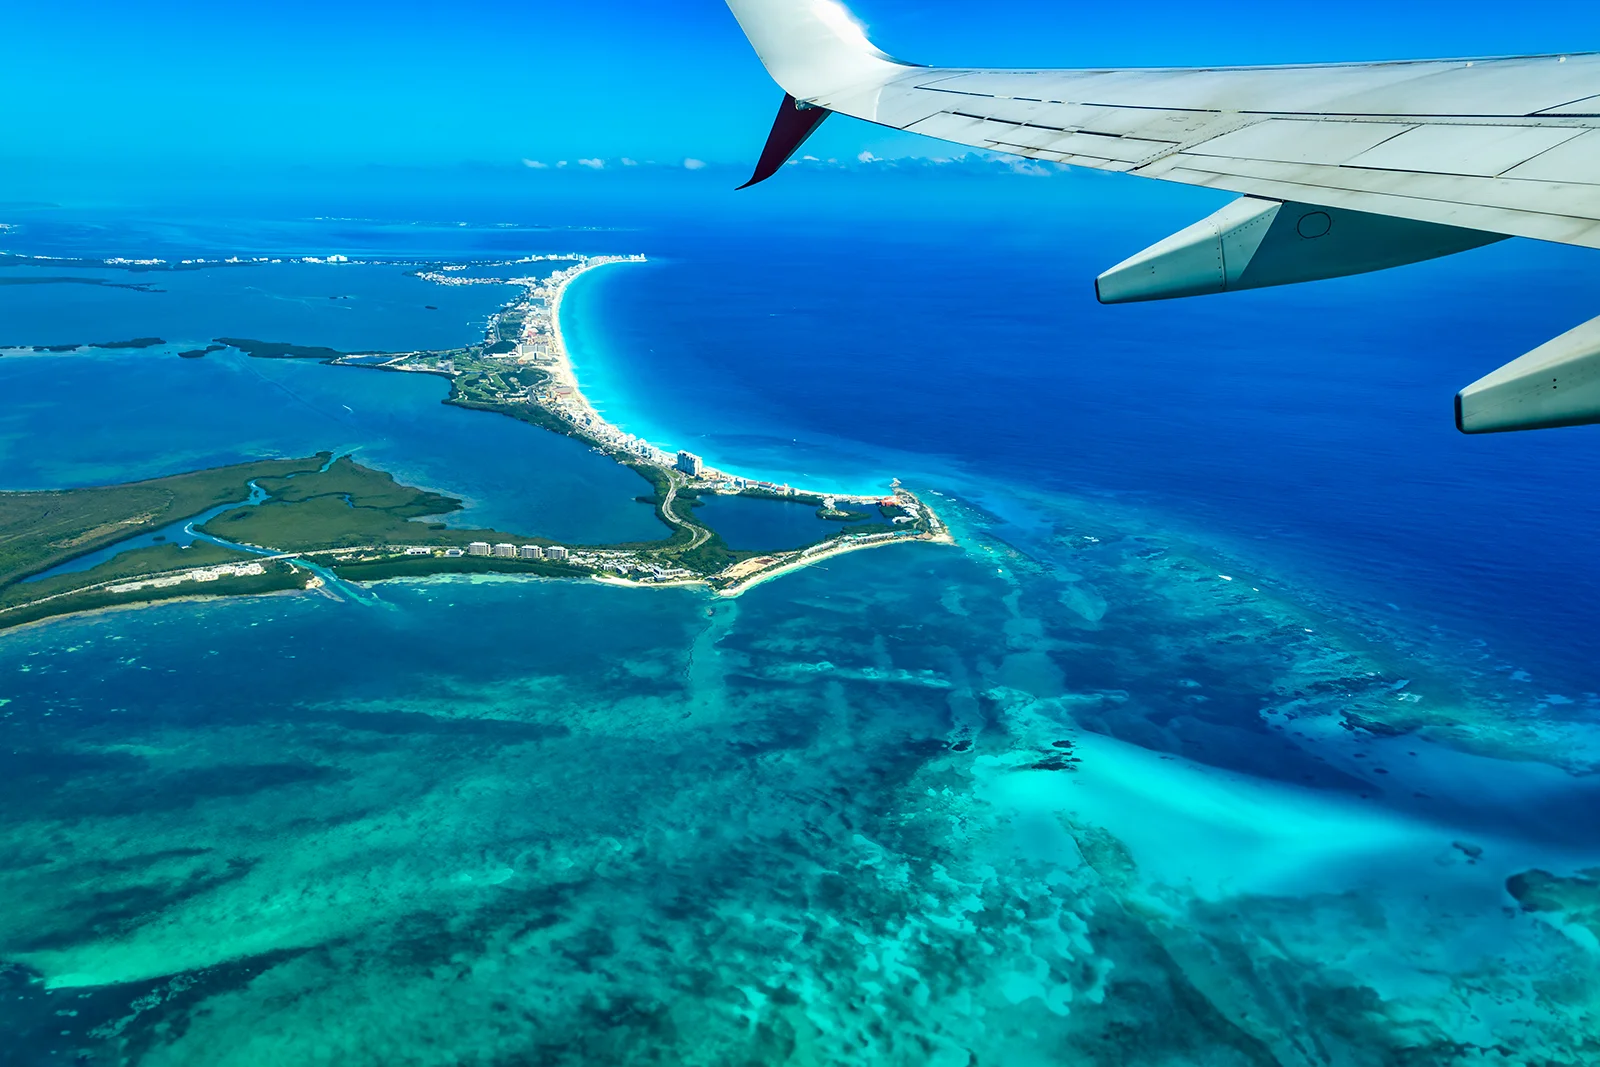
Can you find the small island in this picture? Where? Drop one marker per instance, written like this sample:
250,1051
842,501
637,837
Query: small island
281,525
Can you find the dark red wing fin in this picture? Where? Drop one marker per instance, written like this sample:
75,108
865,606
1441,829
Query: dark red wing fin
789,131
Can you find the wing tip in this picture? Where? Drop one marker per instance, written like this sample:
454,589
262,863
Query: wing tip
792,127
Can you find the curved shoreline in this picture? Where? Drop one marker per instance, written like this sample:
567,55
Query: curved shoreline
565,372
563,395
855,476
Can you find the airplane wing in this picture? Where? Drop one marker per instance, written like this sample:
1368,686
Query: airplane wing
1344,168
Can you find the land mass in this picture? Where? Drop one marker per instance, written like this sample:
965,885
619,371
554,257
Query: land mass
320,518
40,531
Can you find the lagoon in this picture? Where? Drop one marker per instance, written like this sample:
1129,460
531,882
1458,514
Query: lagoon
761,525
105,417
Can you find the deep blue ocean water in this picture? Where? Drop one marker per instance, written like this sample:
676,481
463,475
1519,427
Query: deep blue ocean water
1308,428
1214,740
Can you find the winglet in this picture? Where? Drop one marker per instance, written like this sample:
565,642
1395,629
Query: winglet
790,130
814,49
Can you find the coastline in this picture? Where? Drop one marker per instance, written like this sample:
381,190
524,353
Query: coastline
563,392
563,370
814,558
522,369
563,395
140,605
607,384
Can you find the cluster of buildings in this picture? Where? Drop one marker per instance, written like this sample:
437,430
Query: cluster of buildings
200,574
622,561
440,277
506,550
637,565
766,487
536,345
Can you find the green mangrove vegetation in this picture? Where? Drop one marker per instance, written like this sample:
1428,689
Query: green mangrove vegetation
345,506
278,349
39,530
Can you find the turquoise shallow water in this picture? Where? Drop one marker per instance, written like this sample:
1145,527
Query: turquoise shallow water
1093,786
832,821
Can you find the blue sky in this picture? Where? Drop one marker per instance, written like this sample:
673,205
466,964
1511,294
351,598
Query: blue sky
115,85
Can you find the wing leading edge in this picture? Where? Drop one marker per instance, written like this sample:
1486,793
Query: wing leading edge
1344,168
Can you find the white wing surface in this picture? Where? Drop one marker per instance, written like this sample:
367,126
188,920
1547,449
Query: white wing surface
1344,167
1511,146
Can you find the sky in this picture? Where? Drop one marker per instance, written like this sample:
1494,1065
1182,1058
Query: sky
96,86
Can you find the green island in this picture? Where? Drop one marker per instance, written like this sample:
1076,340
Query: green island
73,346
309,523
138,287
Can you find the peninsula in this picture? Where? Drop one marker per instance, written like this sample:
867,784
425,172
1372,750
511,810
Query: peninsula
295,524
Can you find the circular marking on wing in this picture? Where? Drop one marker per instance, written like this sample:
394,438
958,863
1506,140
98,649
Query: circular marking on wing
1314,224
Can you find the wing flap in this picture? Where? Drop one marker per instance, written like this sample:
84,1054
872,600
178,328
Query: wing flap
1103,146
1320,142
1580,155
1102,151
1476,151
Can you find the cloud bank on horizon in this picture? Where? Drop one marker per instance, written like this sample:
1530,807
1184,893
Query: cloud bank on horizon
865,160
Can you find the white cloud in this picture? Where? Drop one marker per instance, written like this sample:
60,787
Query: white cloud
592,164
562,163
694,164
626,162
975,162
535,164
1027,167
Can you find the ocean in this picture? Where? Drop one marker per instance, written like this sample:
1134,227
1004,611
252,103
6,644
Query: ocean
1309,429
1228,733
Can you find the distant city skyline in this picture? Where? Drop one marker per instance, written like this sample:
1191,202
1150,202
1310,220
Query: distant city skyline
597,86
